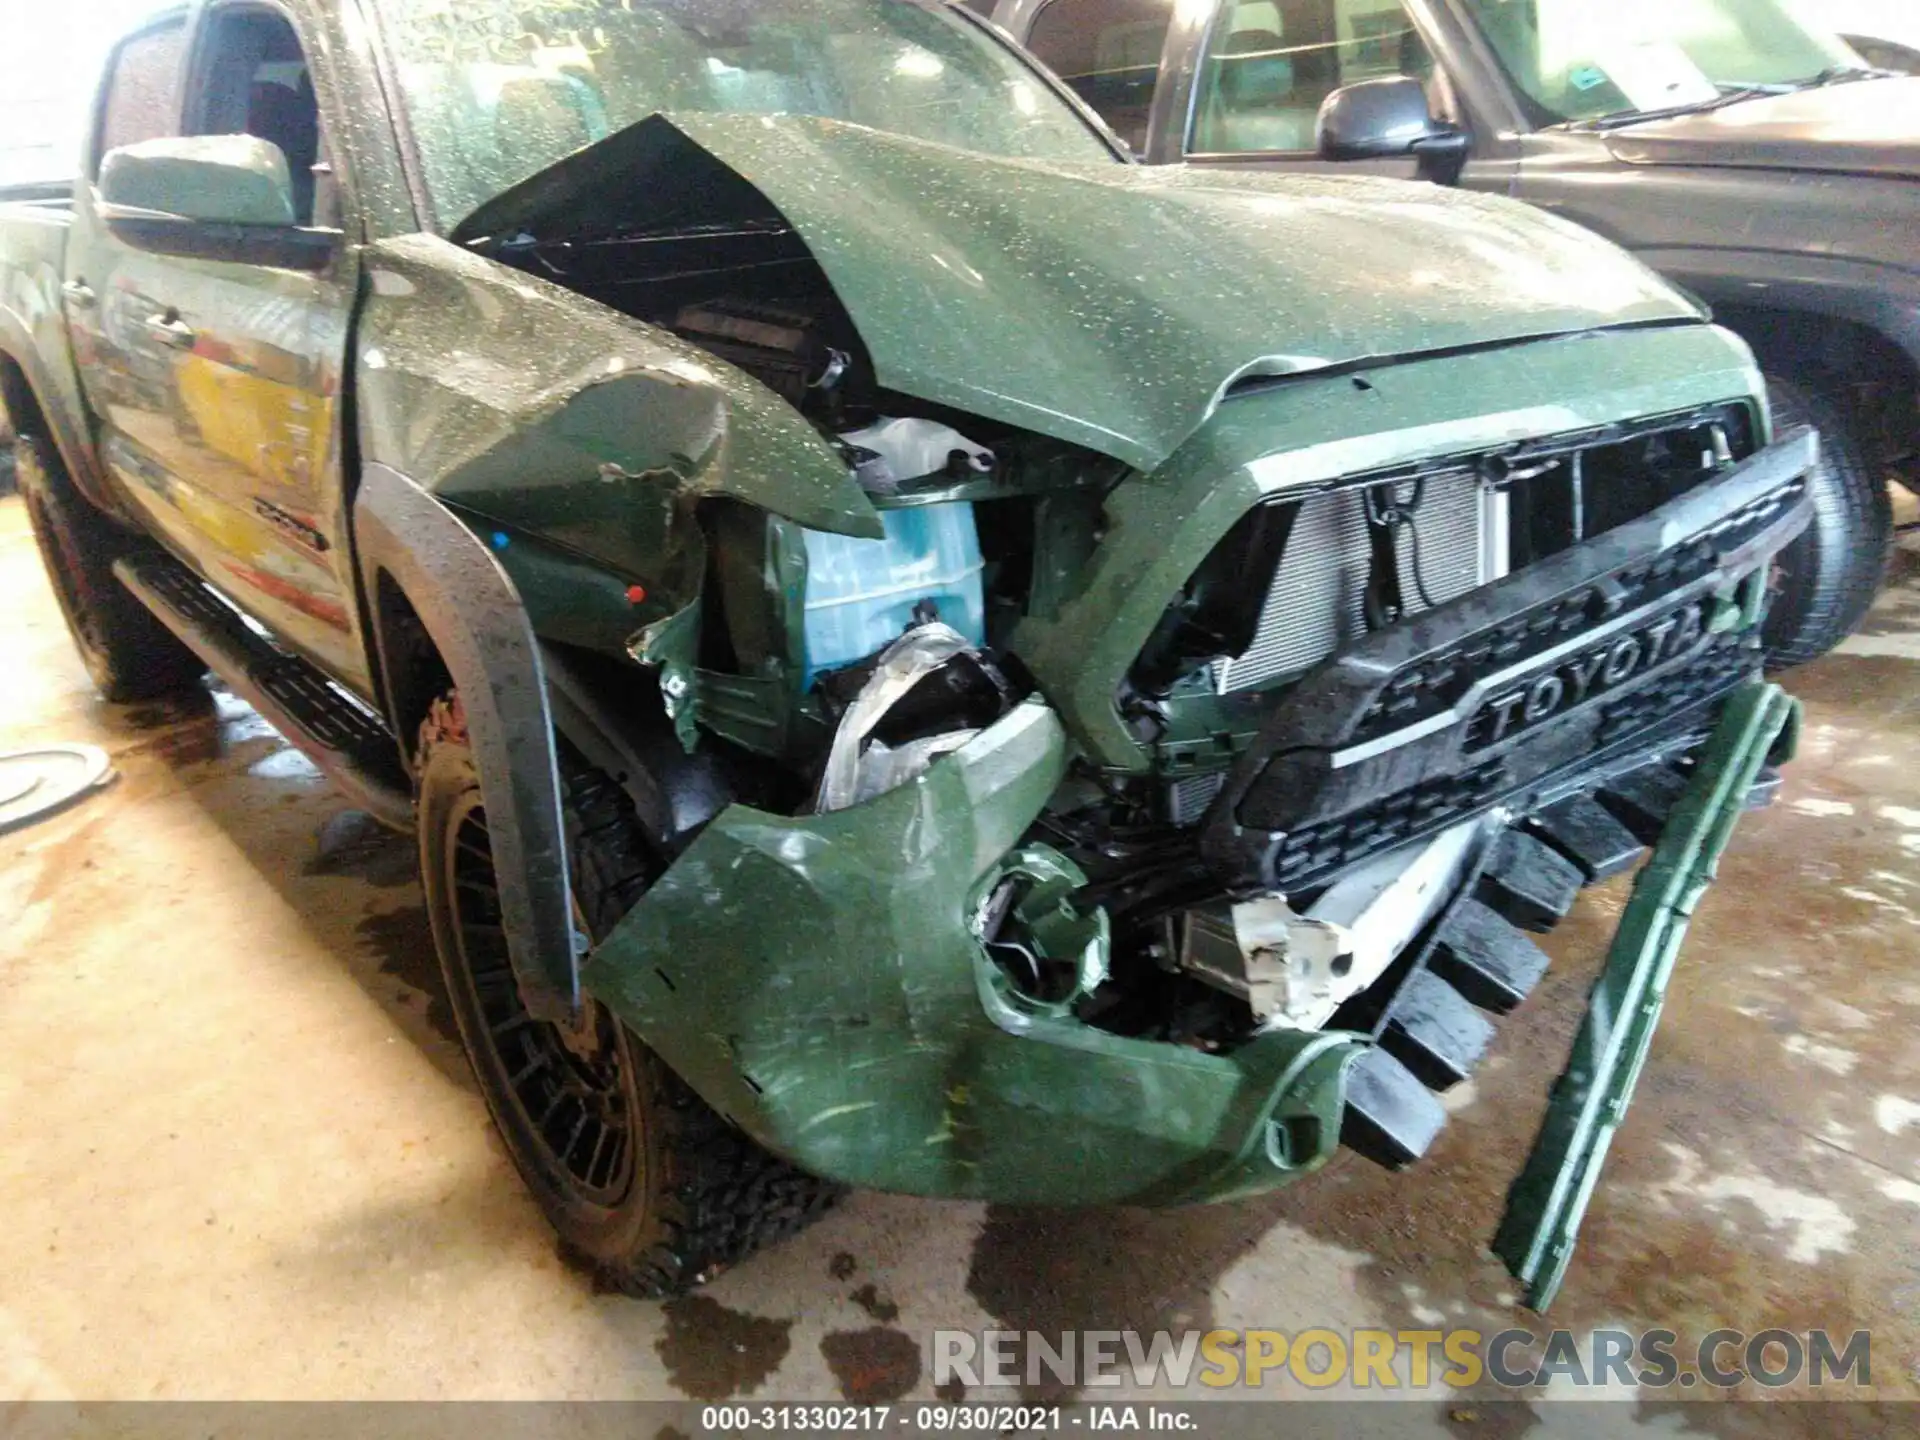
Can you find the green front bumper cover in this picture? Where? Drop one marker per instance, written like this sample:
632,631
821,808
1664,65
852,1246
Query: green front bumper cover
816,980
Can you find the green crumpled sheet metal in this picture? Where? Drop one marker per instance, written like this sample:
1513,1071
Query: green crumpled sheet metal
1549,1199
1107,305
815,978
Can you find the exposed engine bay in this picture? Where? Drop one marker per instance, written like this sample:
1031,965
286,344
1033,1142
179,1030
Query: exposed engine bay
906,640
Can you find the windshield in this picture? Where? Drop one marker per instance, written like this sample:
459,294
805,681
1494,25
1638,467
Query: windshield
495,90
1578,60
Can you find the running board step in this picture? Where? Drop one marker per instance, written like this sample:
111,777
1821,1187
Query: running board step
1483,956
1583,830
1642,799
1529,883
1435,1031
348,742
1391,1118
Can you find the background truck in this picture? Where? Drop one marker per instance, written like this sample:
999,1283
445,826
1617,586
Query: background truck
1734,145
919,653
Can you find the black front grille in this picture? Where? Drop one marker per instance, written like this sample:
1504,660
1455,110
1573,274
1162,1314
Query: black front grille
1440,679
1317,851
1460,522
1623,641
1713,674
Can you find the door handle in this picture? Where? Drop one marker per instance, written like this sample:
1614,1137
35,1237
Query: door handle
171,330
79,294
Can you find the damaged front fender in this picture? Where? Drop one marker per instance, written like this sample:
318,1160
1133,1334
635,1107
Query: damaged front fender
819,981
551,415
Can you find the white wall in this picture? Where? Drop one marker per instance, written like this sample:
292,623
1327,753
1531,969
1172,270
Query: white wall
50,56
1896,20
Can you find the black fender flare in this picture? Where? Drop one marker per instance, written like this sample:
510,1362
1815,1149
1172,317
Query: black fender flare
611,713
1877,298
76,450
476,621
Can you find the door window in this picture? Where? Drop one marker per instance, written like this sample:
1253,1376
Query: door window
1108,51
1270,63
143,88
256,83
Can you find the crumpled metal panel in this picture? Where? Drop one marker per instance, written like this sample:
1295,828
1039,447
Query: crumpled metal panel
1315,433
531,406
815,979
1548,1199
1111,305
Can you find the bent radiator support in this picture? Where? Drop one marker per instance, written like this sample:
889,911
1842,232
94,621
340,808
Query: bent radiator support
1549,1198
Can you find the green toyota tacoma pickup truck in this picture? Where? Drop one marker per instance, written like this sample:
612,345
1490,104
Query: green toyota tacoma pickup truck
920,653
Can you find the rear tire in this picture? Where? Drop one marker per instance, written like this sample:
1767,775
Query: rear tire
651,1191
128,653
1828,578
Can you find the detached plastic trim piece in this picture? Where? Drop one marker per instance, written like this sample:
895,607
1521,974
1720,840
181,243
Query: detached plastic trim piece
1549,1198
46,779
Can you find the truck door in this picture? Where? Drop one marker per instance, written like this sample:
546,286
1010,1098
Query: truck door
1264,68
1241,82
1109,53
126,372
243,365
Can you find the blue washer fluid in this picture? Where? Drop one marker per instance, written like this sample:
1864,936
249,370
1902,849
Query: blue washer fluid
861,593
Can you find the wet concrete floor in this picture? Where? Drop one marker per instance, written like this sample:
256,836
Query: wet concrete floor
240,1155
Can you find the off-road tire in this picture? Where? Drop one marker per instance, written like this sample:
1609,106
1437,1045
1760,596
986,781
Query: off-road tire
701,1194
1827,579
128,653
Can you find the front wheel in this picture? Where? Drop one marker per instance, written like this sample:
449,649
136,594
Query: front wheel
649,1188
1829,576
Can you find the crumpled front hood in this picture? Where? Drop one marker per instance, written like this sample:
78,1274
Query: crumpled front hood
1107,305
1866,127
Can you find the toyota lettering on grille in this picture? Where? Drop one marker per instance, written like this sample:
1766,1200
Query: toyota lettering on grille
1604,666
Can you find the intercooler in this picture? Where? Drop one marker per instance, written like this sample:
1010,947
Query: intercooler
1454,539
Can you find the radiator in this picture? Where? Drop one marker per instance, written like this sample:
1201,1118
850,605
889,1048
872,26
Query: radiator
1316,603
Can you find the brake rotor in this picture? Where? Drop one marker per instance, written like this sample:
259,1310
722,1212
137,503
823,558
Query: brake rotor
42,781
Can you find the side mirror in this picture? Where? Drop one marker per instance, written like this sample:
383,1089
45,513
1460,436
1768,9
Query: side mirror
209,197
1379,119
